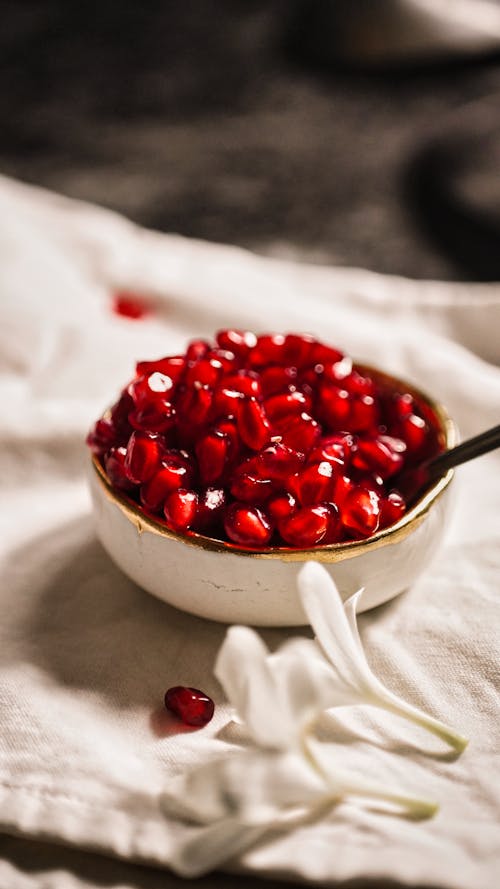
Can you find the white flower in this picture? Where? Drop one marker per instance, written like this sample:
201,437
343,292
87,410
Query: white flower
288,777
335,626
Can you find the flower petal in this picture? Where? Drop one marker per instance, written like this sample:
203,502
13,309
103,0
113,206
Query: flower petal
243,671
324,608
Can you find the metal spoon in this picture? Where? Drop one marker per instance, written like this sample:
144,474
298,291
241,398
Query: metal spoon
412,481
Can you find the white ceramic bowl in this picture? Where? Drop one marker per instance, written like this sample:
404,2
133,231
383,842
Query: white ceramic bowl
219,581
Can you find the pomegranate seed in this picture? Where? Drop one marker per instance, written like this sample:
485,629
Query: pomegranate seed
338,371
172,367
244,381
281,506
194,404
120,416
226,402
307,526
210,511
237,341
341,486
190,705
360,511
392,509
334,406
212,453
102,436
285,404
414,431
144,454
314,483
150,387
269,349
174,473
253,425
158,416
335,449
247,525
128,305
249,484
383,455
276,379
321,354
298,349
301,433
278,462
180,509
335,530
114,465
207,371
364,414
196,350
226,359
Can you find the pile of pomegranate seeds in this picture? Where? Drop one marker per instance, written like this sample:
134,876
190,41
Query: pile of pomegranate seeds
275,440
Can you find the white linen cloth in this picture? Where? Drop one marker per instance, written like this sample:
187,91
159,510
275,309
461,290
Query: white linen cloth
85,655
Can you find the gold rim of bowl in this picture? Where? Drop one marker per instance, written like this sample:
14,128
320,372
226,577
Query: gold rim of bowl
334,552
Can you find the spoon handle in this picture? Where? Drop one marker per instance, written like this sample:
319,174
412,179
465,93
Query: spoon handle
467,450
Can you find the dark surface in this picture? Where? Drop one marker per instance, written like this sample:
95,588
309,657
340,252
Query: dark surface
196,118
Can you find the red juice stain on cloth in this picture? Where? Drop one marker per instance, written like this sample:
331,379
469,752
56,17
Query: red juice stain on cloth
130,305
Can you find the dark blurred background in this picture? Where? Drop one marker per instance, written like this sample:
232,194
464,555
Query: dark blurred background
240,121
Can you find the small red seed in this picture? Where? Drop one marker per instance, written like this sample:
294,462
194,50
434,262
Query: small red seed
253,426
190,705
180,509
144,454
247,525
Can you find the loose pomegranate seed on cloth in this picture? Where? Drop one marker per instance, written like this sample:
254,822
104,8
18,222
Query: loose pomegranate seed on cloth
276,440
190,705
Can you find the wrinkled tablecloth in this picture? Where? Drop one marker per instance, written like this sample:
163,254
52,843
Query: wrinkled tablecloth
85,655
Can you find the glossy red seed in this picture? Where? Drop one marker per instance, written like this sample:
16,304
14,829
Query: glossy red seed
360,511
364,414
190,705
314,483
212,454
301,433
119,416
392,509
249,484
333,406
144,454
226,358
247,525
245,381
180,509
322,354
281,506
341,487
357,383
298,349
210,511
237,341
174,473
338,371
383,454
158,416
278,462
102,436
194,404
114,466
207,371
414,431
151,387
197,349
129,305
305,527
335,531
172,366
269,349
286,404
253,426
276,379
336,449
226,402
